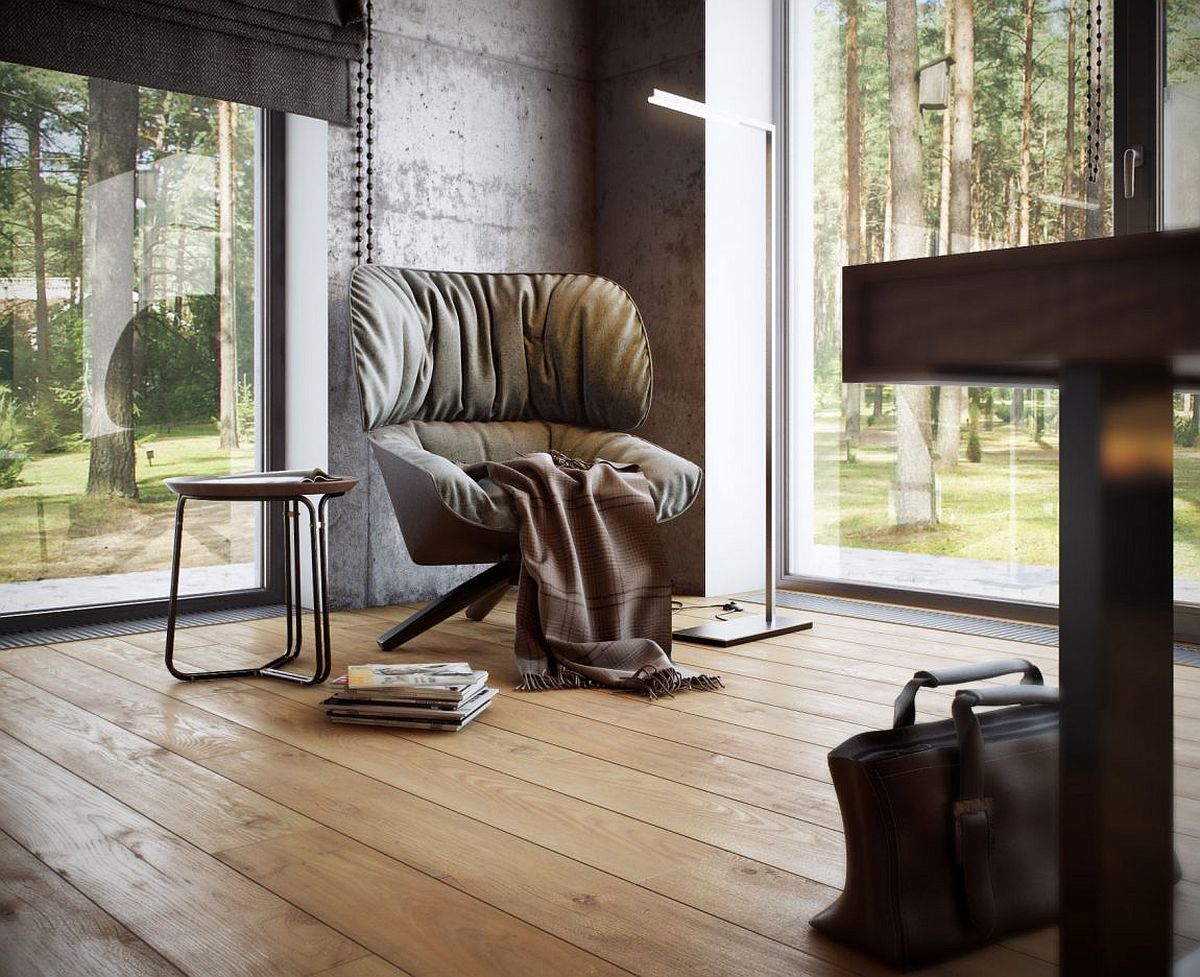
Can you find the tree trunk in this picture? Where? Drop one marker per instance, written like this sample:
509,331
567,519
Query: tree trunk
1071,162
1026,129
914,462
887,210
949,432
852,393
1017,413
77,222
227,379
945,188
37,196
112,137
877,406
962,149
960,31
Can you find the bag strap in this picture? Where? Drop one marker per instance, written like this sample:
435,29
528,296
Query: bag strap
972,810
906,701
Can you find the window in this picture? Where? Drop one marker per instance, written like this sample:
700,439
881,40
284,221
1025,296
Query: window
131,338
947,489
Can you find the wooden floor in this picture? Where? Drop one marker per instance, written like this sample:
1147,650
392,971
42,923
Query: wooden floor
156,827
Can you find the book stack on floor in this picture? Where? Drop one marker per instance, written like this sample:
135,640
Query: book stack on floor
437,695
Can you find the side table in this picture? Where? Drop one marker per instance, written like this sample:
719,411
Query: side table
292,488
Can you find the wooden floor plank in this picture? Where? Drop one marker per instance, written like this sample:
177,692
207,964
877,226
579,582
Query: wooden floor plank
185,904
162,718
48,929
208,810
606,915
541,839
416,922
369,966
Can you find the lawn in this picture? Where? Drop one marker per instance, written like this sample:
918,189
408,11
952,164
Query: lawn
1003,508
49,528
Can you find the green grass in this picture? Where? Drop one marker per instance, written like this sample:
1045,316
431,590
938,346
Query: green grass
54,542
1003,508
993,510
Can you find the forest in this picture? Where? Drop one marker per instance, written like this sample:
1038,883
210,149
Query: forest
1014,153
127,295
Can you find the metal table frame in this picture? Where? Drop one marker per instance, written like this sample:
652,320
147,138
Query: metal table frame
293,496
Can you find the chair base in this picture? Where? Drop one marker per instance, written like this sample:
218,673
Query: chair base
478,595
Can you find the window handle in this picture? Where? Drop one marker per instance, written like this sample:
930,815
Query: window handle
1133,159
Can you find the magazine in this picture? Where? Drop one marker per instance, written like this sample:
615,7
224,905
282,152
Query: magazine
426,695
431,713
431,673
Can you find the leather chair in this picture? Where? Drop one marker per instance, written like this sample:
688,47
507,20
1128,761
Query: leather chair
456,368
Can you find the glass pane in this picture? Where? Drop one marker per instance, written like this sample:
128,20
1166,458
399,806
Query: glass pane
950,489
1181,208
128,310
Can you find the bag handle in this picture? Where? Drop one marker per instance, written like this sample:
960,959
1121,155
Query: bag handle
972,810
906,702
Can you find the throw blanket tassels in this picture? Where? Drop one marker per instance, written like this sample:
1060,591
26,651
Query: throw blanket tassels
594,599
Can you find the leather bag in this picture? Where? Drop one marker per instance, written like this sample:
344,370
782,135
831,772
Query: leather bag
951,827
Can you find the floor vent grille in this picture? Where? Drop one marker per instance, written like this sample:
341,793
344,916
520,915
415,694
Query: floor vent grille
141,625
1036,634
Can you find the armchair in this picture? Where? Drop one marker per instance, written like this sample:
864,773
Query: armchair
455,368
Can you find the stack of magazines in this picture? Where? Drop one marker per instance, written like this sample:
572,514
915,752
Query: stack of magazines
438,695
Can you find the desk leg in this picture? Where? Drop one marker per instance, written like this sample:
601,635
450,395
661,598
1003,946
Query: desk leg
1116,670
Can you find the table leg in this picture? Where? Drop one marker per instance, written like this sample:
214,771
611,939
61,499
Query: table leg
173,598
1116,636
292,575
316,532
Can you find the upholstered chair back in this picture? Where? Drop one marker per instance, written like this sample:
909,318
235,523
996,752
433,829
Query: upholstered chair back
450,346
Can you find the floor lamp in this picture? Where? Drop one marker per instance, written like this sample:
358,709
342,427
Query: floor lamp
749,627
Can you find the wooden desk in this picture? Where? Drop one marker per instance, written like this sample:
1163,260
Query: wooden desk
1116,324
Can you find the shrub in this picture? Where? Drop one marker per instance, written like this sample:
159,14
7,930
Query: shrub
1187,432
12,450
245,411
974,448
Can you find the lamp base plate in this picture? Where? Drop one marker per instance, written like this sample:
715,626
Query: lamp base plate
739,630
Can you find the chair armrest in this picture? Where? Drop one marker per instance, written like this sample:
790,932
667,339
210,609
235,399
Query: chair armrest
674,481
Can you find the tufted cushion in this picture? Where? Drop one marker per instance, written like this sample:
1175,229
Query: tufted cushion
450,346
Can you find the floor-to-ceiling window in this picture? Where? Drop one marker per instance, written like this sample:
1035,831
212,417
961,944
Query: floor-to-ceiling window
938,127
130,337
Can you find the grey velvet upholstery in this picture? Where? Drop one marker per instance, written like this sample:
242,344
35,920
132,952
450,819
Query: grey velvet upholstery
445,346
457,368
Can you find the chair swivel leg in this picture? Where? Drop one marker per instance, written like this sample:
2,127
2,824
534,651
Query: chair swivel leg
483,606
464,595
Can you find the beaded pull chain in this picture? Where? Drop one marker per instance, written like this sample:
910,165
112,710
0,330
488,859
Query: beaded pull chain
364,149
1095,88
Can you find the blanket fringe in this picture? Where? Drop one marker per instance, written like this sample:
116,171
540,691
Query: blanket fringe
563,680
651,681
667,681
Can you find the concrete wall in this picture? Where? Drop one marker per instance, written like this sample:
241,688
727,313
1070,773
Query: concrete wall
650,186
516,136
485,162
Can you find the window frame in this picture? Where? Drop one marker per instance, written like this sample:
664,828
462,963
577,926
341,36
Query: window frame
1138,59
272,284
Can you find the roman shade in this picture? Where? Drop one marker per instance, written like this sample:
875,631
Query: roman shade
289,55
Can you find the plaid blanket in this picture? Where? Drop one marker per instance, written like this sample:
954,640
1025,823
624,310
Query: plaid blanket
594,598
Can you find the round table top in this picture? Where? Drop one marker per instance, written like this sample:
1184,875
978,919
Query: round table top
261,485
